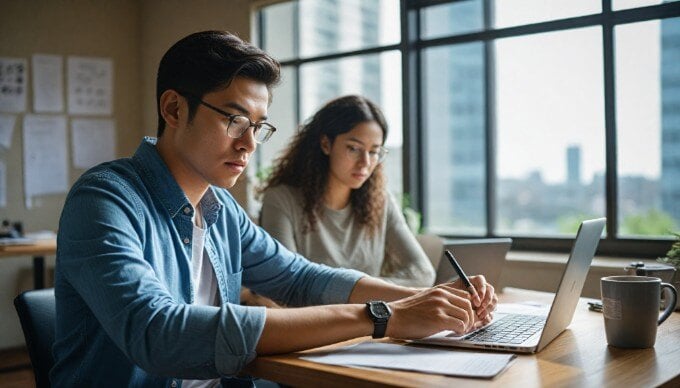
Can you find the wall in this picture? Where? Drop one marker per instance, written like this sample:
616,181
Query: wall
134,34
166,21
542,271
76,27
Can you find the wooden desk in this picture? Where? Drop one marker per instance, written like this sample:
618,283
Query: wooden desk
38,250
578,357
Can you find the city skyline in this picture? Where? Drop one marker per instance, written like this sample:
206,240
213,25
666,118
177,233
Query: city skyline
547,100
638,79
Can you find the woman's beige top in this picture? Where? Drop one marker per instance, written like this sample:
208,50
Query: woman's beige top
338,240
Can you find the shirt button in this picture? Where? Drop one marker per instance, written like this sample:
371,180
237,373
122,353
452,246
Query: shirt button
186,240
173,384
187,210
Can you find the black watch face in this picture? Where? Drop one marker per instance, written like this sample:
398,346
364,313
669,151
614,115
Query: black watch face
380,310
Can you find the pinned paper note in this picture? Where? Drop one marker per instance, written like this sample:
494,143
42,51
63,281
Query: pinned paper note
48,83
45,156
6,130
93,141
3,184
90,86
13,81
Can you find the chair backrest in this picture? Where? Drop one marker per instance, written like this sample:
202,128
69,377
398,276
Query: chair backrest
37,313
433,246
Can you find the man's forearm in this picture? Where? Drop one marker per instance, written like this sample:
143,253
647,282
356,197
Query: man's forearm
293,329
370,288
288,330
416,313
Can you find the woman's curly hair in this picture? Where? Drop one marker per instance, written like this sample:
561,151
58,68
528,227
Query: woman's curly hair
304,165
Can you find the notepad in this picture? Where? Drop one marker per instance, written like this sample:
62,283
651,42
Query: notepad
428,360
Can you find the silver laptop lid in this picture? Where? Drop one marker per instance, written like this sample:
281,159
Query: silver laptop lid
484,256
573,277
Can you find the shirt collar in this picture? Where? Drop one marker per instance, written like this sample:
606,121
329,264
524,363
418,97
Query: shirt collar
157,176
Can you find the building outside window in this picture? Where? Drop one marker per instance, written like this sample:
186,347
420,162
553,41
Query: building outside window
521,118
338,47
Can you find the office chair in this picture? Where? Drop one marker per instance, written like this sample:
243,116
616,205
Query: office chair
433,246
37,313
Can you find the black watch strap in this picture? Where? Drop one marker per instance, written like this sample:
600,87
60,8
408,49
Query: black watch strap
380,313
379,329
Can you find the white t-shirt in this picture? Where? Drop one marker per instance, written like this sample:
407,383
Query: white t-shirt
204,285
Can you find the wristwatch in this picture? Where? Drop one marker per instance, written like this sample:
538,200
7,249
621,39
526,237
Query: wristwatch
380,313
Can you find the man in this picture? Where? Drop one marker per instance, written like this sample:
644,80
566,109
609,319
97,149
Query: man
152,250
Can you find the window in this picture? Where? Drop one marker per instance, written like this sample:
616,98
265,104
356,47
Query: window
339,47
648,123
550,163
453,109
625,4
521,117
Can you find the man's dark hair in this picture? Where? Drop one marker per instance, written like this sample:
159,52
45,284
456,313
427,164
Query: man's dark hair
207,61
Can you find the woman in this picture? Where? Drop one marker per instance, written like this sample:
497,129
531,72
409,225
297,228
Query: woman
326,197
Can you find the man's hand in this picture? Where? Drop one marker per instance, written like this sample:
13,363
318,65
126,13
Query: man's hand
444,307
487,300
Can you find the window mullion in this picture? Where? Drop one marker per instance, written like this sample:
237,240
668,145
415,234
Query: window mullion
611,177
490,122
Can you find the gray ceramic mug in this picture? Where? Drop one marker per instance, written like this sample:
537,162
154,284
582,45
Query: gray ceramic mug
630,305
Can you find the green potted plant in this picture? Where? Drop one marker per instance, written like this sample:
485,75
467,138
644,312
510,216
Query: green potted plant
673,258
413,217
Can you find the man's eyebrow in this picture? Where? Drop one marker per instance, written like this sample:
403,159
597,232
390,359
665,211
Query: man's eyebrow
243,111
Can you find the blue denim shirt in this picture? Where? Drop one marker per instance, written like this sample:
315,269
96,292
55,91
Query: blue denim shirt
123,284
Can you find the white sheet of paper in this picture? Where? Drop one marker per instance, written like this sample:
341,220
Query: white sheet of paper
93,141
526,307
48,83
6,130
429,360
90,85
3,184
45,156
13,81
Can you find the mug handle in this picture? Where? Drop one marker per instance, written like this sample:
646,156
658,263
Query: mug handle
669,306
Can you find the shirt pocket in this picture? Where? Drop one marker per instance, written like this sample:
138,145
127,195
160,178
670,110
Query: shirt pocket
234,287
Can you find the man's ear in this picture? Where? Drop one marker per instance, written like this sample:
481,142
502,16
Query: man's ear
170,108
325,145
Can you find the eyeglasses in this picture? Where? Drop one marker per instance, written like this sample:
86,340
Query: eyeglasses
375,156
239,124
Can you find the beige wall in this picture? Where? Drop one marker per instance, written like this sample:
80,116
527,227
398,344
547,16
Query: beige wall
163,25
166,21
134,34
84,28
543,271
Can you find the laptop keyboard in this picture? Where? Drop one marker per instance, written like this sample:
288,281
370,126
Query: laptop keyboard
511,329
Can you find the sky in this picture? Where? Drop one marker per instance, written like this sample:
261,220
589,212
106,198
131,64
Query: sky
550,92
549,89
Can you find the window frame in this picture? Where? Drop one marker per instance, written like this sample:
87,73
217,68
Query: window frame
414,168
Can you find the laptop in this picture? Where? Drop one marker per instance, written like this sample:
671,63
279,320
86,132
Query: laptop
485,256
530,332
